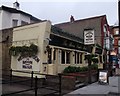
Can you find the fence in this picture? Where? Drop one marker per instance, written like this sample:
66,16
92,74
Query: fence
33,82
56,83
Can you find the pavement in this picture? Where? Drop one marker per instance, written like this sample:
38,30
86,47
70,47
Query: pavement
96,89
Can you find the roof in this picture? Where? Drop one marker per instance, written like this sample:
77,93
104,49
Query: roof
30,24
78,26
60,32
13,10
82,20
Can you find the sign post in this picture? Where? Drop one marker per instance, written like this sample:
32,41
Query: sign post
88,40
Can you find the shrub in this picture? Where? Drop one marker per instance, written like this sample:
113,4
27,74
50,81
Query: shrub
24,50
73,69
83,69
94,66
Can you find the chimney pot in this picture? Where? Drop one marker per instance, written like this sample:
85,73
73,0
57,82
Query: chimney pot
72,19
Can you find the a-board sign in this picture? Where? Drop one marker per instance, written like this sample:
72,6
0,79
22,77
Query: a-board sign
103,77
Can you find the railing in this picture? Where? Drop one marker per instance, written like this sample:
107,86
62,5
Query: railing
50,82
34,84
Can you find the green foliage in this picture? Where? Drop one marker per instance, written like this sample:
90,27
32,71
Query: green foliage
98,46
84,69
92,57
94,67
95,60
73,69
24,50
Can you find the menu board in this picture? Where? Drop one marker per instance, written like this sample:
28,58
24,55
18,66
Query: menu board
103,77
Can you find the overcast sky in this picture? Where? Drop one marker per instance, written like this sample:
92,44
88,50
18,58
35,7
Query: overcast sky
58,11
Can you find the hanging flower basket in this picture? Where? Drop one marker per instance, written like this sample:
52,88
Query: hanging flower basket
24,50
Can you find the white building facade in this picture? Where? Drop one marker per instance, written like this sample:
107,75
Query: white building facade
11,17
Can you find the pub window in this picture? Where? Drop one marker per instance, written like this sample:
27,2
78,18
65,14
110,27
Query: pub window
63,57
75,58
78,58
81,58
100,57
68,57
50,56
54,56
86,60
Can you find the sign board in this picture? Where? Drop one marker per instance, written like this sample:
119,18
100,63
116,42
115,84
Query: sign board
28,63
88,37
103,76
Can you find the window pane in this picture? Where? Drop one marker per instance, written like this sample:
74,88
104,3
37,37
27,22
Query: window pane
77,58
15,22
54,56
116,32
81,58
63,57
68,57
100,59
50,56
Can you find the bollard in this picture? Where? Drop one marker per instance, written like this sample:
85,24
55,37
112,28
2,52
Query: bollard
36,85
32,78
10,74
60,84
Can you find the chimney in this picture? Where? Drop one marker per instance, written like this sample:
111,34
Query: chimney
72,19
16,5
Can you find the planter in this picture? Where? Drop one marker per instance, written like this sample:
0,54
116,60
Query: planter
81,74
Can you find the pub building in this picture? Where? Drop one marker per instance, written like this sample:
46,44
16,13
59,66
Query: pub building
53,49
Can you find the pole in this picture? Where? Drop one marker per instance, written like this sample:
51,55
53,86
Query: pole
10,74
32,79
60,84
119,14
36,85
89,69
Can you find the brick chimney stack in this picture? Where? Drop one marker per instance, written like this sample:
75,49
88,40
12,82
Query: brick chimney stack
72,19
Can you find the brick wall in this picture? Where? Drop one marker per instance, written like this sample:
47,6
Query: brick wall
6,42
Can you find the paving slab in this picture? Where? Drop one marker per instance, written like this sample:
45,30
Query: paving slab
94,89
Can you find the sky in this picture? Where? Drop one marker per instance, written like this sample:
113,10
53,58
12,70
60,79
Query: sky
59,11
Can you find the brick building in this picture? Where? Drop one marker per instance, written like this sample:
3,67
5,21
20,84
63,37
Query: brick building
101,30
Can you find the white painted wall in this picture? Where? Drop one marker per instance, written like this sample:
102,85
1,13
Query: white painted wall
25,35
0,19
6,19
24,18
16,16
